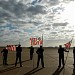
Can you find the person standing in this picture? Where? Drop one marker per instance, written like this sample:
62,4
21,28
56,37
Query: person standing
61,55
40,56
74,56
5,54
31,52
18,55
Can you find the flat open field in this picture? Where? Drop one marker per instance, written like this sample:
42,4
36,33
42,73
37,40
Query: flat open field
29,66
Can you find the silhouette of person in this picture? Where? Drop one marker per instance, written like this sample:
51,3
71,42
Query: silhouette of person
74,56
40,56
5,54
61,55
31,52
18,55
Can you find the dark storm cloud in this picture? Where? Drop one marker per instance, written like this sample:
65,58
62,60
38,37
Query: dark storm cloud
35,1
51,2
12,6
39,0
4,13
57,9
19,22
54,2
18,9
36,9
47,28
60,24
36,23
18,31
53,32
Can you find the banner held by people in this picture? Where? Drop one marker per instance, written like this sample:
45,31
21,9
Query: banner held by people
36,41
68,44
11,47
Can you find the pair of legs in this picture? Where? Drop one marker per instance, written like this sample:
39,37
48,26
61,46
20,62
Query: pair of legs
5,60
61,58
31,56
18,56
74,61
42,62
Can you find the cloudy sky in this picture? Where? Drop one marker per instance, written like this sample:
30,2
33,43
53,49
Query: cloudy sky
22,19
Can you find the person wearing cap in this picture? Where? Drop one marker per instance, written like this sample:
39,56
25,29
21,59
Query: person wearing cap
18,55
40,56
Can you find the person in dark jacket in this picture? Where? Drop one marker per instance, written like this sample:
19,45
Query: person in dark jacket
61,55
31,52
74,56
18,55
5,54
40,56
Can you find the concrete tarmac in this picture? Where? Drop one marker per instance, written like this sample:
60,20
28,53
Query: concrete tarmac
29,66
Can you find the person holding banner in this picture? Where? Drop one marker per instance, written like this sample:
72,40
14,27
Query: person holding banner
61,55
40,56
5,54
31,52
18,55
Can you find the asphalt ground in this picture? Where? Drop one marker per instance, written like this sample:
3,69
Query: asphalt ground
51,59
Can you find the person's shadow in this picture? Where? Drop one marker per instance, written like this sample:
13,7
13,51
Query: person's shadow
73,71
58,71
18,62
33,71
11,67
8,69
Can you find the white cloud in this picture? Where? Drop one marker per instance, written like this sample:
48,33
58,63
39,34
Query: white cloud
32,18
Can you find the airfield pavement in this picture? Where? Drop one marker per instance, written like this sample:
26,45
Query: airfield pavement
29,66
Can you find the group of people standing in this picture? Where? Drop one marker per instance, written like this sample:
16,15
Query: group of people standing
40,55
39,52
18,55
